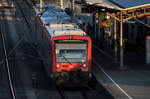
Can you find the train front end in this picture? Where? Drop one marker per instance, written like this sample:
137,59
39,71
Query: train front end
72,58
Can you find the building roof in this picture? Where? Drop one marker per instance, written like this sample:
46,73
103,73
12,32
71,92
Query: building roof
119,4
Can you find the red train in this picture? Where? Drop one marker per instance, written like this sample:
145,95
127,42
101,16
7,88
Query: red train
70,49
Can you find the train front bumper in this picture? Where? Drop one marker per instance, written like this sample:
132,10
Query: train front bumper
72,77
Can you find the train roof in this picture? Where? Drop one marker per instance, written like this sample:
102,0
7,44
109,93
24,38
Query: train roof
46,6
58,22
64,29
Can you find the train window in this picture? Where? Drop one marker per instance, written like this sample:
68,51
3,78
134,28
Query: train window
71,51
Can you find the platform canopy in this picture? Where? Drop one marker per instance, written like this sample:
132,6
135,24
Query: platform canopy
121,11
119,4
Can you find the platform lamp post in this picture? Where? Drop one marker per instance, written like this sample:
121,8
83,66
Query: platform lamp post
41,5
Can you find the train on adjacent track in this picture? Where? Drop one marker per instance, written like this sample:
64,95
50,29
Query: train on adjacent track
69,48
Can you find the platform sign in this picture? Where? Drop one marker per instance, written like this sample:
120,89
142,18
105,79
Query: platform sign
148,49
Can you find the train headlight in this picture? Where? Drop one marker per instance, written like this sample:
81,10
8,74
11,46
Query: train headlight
57,65
84,65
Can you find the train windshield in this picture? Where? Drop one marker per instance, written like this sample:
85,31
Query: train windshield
71,51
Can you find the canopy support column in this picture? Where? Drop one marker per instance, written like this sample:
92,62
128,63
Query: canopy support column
95,25
61,4
121,42
115,39
73,8
41,4
99,20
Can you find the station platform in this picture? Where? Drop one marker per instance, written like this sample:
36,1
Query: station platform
130,83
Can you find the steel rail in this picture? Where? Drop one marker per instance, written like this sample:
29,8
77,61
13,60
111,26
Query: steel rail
114,82
88,87
7,62
84,93
62,93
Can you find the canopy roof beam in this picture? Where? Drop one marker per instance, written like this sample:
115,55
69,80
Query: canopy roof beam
130,14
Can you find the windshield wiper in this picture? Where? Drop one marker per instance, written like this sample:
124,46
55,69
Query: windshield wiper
66,59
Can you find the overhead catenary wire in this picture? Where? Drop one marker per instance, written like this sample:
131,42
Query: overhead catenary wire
142,22
11,51
31,56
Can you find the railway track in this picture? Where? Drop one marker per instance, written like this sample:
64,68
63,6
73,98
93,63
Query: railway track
91,90
87,91
5,58
14,86
83,93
